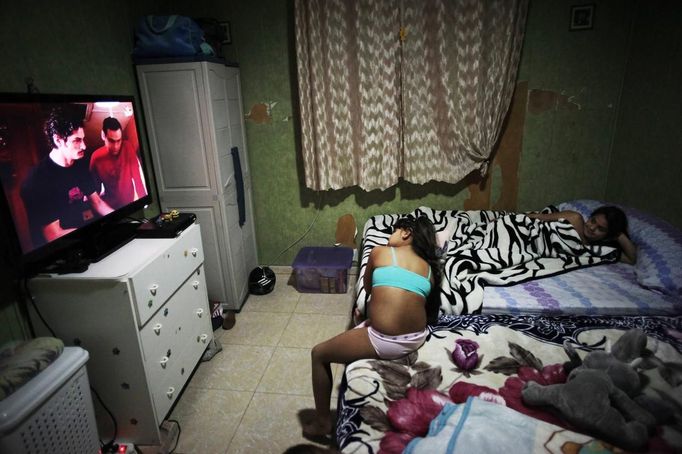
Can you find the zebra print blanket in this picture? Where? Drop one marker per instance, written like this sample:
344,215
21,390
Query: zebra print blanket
489,248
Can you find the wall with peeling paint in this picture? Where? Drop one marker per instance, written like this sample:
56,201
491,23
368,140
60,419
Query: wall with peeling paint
574,81
556,145
646,160
595,113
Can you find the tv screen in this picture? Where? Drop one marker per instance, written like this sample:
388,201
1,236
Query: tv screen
71,169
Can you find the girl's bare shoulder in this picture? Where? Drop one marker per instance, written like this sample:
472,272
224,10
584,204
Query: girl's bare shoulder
378,252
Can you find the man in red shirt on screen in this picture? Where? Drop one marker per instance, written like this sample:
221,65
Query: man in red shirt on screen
115,166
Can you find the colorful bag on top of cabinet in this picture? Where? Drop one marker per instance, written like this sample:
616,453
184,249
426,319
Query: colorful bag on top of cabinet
169,36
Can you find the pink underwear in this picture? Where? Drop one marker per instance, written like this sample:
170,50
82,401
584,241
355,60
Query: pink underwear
393,347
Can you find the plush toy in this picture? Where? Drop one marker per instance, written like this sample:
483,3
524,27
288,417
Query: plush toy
598,394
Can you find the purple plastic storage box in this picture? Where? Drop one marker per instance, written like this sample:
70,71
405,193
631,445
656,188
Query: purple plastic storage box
323,269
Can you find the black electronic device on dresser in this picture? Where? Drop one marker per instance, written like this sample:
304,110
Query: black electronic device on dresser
166,225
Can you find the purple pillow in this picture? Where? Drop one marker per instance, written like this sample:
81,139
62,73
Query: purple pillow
659,246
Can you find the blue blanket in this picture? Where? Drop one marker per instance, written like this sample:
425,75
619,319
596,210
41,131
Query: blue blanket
481,426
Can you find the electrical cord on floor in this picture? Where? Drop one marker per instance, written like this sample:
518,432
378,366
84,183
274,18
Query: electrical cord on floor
106,447
319,210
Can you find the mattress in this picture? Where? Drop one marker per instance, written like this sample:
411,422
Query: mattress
386,405
610,289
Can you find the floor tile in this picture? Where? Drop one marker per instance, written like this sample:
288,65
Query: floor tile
268,350
330,304
288,372
256,328
236,367
270,424
209,419
307,330
337,371
282,299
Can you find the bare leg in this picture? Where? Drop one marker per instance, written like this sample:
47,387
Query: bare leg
345,348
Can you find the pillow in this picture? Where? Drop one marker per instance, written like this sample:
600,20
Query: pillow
21,361
659,246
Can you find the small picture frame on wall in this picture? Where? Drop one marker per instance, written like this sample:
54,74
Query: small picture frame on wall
226,33
582,17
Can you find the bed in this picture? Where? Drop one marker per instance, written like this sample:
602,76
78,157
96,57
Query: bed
386,405
517,303
651,287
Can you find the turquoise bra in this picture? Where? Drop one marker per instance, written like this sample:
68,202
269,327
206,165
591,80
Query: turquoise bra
395,276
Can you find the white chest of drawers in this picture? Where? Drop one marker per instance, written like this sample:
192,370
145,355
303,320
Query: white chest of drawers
142,313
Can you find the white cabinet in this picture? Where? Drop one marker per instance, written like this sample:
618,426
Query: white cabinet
194,119
142,313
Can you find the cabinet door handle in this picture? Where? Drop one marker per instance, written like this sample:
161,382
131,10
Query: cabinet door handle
194,251
164,361
195,284
203,338
153,288
157,328
200,312
170,392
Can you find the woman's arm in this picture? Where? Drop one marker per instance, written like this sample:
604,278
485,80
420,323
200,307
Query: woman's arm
367,277
359,317
573,217
628,248
570,215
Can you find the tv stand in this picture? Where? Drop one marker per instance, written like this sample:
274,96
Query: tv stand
142,313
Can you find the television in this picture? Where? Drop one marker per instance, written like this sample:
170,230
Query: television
71,173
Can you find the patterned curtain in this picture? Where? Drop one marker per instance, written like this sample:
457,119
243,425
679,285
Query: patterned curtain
373,111
460,60
349,92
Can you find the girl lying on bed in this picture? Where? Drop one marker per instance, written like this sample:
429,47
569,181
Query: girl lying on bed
605,224
399,278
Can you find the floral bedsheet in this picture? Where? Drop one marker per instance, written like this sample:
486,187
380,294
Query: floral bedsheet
384,406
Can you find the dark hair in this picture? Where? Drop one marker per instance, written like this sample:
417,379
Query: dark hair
424,245
110,124
616,220
62,122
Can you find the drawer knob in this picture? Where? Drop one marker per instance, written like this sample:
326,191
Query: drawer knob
200,312
154,288
164,361
170,392
194,251
195,284
203,338
157,328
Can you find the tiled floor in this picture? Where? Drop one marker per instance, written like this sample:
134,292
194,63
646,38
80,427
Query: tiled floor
248,397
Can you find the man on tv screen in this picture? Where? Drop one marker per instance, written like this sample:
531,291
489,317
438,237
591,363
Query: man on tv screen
116,167
59,192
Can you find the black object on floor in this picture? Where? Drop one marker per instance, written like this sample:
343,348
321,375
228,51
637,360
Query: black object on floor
261,280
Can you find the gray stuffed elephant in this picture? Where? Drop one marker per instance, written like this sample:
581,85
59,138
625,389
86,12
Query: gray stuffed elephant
598,394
